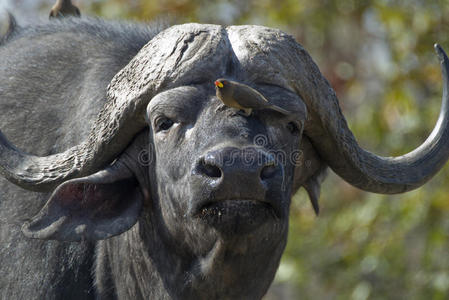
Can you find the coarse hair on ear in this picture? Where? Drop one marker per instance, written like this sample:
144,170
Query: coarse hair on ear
95,207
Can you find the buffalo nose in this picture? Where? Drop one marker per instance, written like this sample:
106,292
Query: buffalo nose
235,166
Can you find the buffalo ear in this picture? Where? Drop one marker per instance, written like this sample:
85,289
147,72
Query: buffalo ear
310,172
95,207
313,188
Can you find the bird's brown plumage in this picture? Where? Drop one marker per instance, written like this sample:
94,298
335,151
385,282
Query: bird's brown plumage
64,8
241,96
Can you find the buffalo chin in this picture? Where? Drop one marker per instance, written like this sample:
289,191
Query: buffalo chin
236,216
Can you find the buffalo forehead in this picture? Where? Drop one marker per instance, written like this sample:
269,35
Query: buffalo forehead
182,101
188,101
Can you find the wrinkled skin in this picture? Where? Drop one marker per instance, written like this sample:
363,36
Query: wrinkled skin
226,249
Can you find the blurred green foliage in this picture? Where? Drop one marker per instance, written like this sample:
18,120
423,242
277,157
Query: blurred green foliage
378,55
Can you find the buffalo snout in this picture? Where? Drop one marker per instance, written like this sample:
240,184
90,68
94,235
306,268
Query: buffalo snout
232,184
234,167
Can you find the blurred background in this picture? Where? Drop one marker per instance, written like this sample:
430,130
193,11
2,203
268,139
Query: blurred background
379,57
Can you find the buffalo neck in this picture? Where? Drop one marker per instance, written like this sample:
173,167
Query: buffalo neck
141,263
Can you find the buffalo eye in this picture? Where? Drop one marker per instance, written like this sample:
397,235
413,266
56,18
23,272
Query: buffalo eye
162,124
293,128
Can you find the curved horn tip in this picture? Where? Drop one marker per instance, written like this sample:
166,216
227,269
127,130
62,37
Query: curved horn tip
441,54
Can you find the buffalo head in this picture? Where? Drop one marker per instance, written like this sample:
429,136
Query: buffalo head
216,185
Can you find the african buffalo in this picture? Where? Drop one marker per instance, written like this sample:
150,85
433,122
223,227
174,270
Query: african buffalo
141,184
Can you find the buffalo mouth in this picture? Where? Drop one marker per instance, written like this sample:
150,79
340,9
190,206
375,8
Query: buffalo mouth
238,215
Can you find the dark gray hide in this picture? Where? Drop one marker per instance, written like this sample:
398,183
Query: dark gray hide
53,80
193,195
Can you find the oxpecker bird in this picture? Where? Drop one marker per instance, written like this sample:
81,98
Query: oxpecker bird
241,96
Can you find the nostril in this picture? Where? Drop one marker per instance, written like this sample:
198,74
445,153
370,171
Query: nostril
268,171
209,169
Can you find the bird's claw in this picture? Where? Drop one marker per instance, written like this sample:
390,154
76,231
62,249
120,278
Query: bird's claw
221,107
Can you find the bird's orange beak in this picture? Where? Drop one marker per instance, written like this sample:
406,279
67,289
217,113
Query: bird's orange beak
219,84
